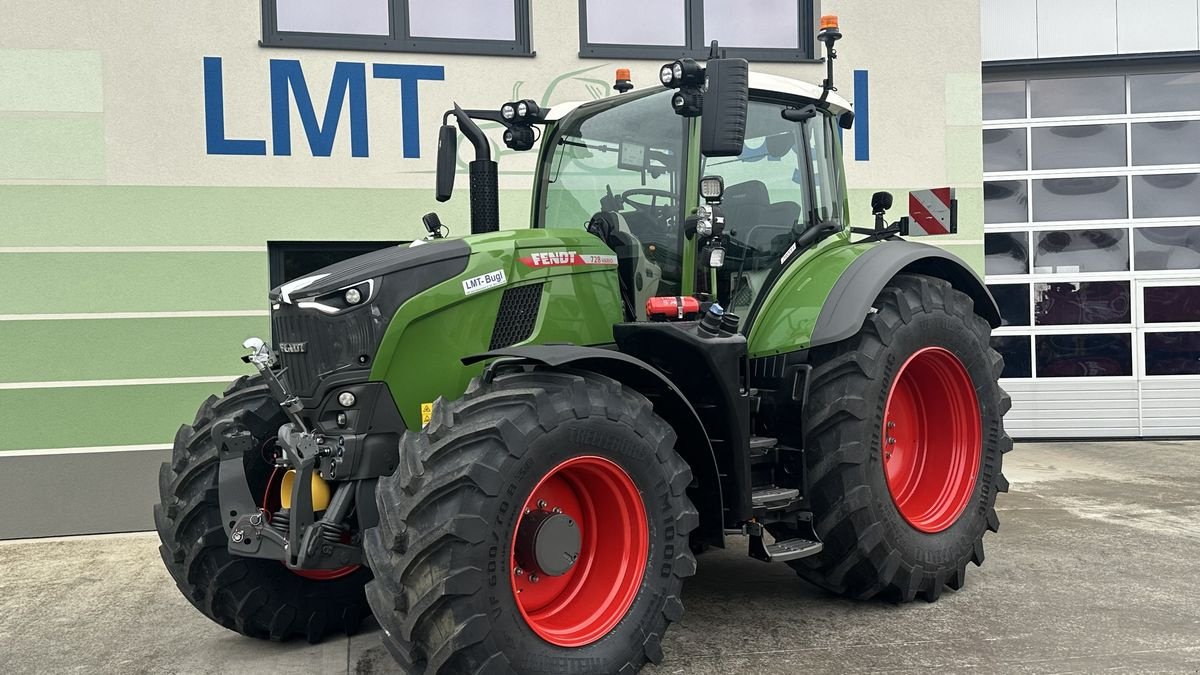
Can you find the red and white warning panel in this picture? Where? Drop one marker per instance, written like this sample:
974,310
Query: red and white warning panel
932,212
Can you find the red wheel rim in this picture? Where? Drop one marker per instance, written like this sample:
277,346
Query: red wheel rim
932,439
270,504
581,605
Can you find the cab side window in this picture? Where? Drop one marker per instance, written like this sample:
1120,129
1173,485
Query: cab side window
822,149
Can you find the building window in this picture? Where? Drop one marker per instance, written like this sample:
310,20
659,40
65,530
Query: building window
763,30
486,27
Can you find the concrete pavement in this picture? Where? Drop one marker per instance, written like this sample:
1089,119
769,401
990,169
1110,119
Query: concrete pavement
1094,569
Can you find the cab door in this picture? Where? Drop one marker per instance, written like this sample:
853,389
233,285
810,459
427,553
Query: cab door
784,181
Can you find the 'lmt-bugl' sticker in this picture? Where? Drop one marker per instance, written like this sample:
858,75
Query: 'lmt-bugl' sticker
484,282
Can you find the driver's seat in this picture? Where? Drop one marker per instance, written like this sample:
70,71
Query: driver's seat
639,276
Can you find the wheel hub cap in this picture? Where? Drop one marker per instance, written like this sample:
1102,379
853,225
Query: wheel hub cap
548,543
579,551
932,439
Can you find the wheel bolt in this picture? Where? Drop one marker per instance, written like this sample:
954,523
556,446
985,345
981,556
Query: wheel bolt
541,503
533,578
519,572
528,511
891,441
557,510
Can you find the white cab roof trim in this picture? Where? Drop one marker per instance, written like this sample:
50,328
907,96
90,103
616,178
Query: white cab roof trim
786,85
758,81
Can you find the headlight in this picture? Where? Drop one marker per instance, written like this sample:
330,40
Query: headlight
677,70
341,300
508,111
522,108
346,399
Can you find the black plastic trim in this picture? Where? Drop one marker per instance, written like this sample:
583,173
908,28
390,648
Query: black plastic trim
381,262
855,291
992,69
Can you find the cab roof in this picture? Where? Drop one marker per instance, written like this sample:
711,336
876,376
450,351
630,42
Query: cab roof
760,82
786,85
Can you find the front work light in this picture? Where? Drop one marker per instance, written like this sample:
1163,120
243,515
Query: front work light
687,102
712,188
682,73
519,137
667,77
704,220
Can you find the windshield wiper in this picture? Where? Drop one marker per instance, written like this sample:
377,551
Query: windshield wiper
581,144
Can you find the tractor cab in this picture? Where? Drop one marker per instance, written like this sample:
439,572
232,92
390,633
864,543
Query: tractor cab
620,167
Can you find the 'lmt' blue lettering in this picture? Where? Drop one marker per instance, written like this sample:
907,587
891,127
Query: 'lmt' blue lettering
348,78
410,123
214,116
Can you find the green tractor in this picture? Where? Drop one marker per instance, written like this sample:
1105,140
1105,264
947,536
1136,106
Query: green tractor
509,447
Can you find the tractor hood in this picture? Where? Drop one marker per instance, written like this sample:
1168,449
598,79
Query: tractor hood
348,273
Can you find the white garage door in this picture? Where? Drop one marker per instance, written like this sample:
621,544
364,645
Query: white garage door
1092,211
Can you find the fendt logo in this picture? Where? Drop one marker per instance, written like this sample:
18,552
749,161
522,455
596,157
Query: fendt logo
288,84
553,258
559,258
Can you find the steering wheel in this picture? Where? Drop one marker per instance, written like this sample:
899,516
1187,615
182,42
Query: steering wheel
653,208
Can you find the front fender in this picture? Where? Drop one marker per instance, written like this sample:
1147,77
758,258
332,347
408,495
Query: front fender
669,403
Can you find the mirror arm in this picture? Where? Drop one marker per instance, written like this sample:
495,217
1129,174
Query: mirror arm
468,127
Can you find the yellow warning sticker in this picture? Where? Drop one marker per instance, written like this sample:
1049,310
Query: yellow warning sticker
426,413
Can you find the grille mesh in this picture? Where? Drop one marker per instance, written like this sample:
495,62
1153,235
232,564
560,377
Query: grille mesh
331,342
517,316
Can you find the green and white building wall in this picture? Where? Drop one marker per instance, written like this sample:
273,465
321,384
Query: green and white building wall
153,154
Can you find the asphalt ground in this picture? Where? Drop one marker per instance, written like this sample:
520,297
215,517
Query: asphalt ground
1094,570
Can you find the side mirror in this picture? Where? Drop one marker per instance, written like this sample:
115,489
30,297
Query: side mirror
723,113
880,202
447,161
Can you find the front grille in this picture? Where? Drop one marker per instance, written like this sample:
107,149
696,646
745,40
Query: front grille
517,316
330,343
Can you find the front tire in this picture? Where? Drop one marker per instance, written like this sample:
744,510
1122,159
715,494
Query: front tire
455,558
255,597
904,444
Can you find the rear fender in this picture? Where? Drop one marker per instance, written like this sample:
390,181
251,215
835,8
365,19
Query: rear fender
852,296
669,403
826,297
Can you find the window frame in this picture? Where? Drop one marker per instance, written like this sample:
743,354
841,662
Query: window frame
399,38
697,48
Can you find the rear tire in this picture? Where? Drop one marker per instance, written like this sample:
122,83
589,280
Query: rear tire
446,592
255,597
879,538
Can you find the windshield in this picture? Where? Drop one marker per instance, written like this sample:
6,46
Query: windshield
617,170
